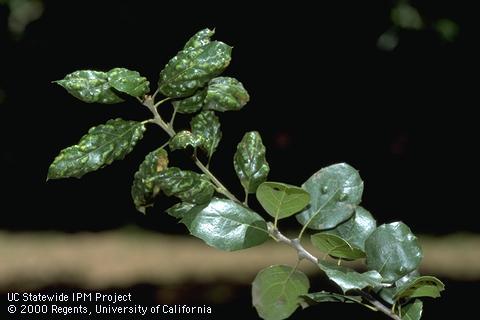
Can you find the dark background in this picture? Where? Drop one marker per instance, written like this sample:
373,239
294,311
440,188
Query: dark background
321,93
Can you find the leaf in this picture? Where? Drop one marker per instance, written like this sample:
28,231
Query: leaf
335,191
405,16
335,246
281,200
356,229
192,68
183,139
129,82
207,126
315,298
99,147
250,163
191,104
276,291
89,86
425,286
387,294
412,311
145,188
187,185
393,251
348,279
226,225
180,209
199,39
225,94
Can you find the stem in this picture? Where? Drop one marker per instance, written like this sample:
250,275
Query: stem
245,202
304,254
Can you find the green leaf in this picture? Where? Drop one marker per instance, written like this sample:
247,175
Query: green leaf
90,86
393,251
405,16
412,311
315,298
225,94
250,163
281,200
226,225
348,279
192,68
335,246
425,286
99,147
356,229
191,104
184,139
145,188
129,82
180,209
276,291
207,126
335,191
387,294
187,185
199,39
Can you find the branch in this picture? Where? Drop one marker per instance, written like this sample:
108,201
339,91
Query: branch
304,254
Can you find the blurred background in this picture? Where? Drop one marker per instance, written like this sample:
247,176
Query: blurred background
388,86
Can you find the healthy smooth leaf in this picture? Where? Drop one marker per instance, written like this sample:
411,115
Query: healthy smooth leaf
89,86
128,81
393,251
335,246
315,298
99,147
144,187
199,39
250,163
356,229
191,104
226,225
388,293
187,185
180,209
281,200
207,125
276,291
335,191
412,311
184,139
225,94
192,68
348,279
424,286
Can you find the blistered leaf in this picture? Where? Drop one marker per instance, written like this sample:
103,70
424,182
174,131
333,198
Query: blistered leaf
199,39
145,188
348,279
356,229
250,163
89,86
180,209
412,311
225,94
192,68
276,291
128,81
424,286
335,191
184,139
99,147
207,126
315,298
393,251
226,225
187,185
191,104
281,200
335,246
